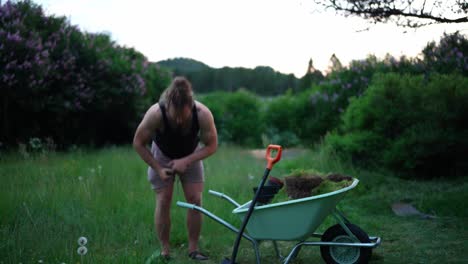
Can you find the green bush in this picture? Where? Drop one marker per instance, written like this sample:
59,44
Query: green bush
237,116
306,116
281,115
413,126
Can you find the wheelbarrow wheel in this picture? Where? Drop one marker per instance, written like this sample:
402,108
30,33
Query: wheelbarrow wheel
345,255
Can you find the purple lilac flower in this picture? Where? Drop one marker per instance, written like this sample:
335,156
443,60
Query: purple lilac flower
10,65
314,97
325,97
14,37
16,22
143,90
7,9
335,97
5,77
78,106
30,43
141,81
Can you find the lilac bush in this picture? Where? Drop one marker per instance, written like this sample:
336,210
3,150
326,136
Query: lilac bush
75,87
450,55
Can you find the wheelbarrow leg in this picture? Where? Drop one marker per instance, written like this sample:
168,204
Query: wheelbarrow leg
343,222
293,254
342,216
275,246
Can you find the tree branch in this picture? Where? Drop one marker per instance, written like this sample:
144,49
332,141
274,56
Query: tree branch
383,10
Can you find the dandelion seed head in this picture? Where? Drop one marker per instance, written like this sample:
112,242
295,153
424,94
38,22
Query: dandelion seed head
82,251
82,241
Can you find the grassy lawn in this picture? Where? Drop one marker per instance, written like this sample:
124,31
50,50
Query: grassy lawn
48,201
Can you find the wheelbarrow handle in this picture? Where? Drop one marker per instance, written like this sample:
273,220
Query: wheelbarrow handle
222,195
272,160
215,193
186,205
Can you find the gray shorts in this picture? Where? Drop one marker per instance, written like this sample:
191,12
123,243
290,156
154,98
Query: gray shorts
193,174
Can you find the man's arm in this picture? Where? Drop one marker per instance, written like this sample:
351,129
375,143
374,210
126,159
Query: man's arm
208,135
142,137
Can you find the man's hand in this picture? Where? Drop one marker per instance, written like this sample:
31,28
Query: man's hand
165,173
179,165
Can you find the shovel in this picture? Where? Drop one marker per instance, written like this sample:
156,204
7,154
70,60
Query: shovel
270,162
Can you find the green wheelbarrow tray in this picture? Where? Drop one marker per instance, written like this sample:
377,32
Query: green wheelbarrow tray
294,219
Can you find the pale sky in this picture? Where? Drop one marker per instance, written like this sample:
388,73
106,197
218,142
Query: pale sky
282,34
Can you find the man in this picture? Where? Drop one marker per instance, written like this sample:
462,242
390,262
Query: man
175,126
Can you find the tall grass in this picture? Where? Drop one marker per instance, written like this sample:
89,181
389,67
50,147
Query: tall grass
47,201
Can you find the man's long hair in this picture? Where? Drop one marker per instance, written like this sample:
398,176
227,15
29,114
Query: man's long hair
178,95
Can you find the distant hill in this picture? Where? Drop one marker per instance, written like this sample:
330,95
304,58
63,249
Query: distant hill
262,80
183,65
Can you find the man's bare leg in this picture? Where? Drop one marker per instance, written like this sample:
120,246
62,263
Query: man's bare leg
162,216
193,195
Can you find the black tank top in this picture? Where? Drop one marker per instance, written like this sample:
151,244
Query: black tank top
172,142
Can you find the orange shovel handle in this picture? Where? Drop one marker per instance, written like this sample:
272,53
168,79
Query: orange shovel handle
272,160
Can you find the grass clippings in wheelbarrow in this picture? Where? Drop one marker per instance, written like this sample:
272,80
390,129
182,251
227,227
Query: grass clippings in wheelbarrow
306,183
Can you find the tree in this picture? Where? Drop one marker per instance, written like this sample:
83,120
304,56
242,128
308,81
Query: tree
335,64
312,76
408,13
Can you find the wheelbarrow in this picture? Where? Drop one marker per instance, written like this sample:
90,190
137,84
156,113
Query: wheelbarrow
297,220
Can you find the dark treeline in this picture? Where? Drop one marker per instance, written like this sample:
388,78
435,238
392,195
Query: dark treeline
262,80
